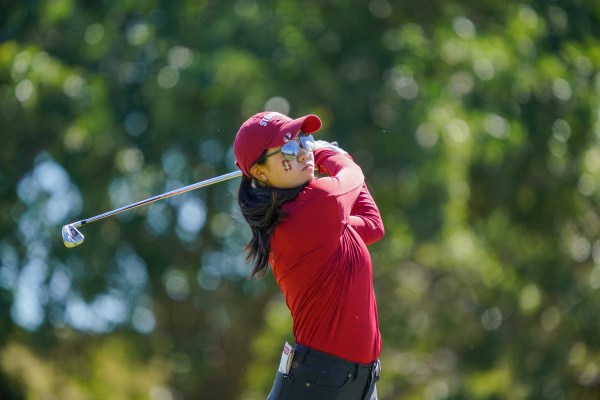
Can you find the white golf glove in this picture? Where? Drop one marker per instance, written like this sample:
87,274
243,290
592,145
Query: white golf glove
319,144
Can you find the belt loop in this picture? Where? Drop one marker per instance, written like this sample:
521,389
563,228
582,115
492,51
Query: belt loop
376,366
299,354
372,379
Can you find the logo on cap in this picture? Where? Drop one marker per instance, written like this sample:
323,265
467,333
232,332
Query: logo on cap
267,118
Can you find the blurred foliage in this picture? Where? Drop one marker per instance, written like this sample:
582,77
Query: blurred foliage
477,124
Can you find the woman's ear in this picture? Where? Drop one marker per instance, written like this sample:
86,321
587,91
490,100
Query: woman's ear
259,172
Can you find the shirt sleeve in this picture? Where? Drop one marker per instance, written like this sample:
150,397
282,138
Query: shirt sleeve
365,217
344,174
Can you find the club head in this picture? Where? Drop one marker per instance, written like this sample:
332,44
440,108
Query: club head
71,236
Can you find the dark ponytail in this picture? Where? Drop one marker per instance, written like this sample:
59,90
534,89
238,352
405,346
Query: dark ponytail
261,208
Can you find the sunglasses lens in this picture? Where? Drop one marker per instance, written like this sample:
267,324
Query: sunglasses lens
307,142
289,151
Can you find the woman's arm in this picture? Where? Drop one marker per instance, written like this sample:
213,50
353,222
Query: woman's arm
365,217
344,174
358,208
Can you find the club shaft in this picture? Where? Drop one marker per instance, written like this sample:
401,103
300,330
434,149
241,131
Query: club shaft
172,193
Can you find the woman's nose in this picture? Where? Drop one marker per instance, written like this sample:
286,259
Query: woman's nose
302,153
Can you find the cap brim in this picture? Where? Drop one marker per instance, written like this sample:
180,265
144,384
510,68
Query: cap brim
307,124
311,123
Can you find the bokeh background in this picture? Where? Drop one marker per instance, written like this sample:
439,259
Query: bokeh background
477,124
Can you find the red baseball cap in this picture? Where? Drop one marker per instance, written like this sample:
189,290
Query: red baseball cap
265,130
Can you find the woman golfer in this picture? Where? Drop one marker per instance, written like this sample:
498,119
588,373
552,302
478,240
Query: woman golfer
314,234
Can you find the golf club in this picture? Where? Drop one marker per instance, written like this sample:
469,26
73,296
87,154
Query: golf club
72,237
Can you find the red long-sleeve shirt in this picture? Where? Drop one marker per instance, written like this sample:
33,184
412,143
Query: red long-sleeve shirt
320,260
